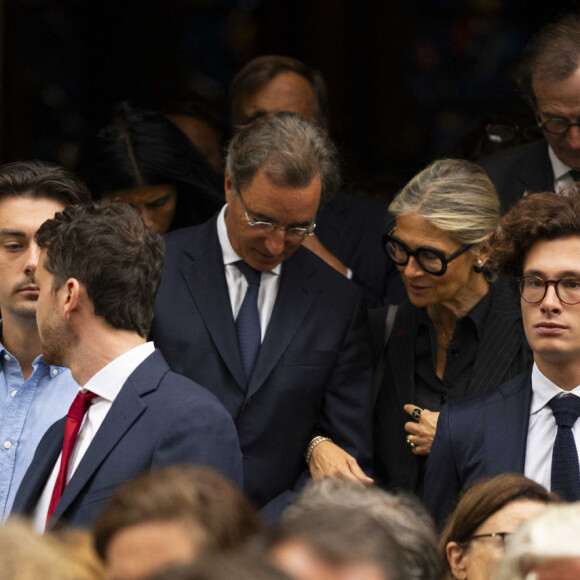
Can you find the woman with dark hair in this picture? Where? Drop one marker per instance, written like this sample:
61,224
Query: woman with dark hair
488,512
145,160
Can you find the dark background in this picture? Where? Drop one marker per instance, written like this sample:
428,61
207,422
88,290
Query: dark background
408,79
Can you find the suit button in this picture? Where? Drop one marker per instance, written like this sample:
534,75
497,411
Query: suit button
443,399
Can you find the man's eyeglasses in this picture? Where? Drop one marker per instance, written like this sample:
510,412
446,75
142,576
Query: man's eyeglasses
556,125
292,233
533,289
432,260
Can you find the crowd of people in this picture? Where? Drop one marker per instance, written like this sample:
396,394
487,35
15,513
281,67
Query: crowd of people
277,378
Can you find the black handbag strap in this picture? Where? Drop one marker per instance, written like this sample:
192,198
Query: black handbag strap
380,370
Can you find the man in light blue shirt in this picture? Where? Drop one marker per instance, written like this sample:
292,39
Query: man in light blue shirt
32,394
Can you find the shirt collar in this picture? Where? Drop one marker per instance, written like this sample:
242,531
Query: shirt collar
53,371
478,314
229,254
110,379
559,169
544,390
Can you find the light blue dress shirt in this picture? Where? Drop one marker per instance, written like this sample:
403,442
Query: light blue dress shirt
27,409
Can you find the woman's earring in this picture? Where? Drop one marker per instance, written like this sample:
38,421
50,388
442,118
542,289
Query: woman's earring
478,268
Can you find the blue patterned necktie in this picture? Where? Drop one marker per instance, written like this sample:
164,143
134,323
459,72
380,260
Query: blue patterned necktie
248,320
565,471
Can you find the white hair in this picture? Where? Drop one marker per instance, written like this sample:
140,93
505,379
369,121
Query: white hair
555,533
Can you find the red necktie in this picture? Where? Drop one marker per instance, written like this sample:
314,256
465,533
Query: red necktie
74,419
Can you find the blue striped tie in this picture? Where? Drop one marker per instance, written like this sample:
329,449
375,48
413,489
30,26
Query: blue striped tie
565,470
248,320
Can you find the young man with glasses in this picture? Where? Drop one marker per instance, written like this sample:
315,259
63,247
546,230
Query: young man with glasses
527,425
278,335
553,162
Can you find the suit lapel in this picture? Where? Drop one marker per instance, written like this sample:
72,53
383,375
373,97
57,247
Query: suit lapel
205,278
537,173
401,352
506,419
296,293
43,463
502,339
124,411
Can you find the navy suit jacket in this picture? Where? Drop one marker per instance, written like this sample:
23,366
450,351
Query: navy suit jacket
351,227
313,371
523,168
477,438
158,418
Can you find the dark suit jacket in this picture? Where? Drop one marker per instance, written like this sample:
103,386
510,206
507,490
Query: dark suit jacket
351,227
502,354
313,372
158,418
524,168
476,438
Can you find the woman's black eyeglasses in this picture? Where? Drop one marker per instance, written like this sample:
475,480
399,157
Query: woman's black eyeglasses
432,260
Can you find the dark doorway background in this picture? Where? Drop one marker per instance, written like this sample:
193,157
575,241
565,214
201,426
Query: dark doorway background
408,79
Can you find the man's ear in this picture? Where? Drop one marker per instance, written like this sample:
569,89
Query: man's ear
228,187
458,559
72,291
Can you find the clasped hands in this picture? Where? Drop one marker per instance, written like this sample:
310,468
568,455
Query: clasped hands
421,431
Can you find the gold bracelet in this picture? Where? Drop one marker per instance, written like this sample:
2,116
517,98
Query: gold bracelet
318,439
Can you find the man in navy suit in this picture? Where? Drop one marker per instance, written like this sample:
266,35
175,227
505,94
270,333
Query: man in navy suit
554,161
98,272
349,227
516,428
310,383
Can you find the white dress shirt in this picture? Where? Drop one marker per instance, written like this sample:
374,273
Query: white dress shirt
106,384
542,428
561,176
237,283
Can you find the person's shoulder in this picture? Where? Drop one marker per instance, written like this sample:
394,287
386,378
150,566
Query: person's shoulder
306,261
518,154
475,405
360,210
183,237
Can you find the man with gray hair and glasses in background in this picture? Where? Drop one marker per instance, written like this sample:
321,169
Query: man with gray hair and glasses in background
276,334
549,79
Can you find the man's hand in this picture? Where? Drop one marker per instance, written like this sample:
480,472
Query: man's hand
421,430
329,460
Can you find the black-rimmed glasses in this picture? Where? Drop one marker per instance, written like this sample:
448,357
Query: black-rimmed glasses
269,227
533,289
556,125
432,260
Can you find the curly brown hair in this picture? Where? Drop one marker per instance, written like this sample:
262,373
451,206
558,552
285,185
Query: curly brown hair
538,216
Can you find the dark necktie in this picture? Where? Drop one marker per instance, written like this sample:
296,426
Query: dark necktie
565,471
248,320
575,175
74,419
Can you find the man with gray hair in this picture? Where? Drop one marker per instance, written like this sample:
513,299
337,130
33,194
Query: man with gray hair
549,79
278,335
401,515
